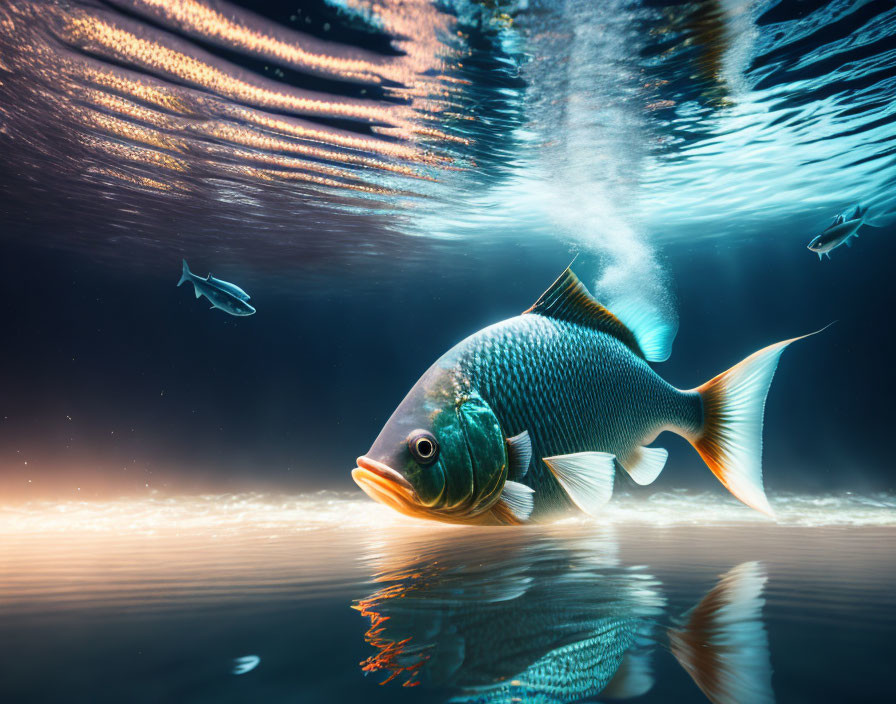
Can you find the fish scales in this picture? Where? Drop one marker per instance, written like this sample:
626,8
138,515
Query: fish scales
585,666
574,388
528,418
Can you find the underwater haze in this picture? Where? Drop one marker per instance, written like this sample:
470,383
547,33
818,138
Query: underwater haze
178,520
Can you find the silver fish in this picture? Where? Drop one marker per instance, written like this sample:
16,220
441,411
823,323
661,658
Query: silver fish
844,227
223,295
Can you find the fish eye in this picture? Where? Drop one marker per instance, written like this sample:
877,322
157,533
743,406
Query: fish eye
423,446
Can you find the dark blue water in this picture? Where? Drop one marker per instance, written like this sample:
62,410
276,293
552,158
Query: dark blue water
385,179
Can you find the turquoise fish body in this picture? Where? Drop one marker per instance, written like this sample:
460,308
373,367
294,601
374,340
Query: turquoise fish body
530,418
573,388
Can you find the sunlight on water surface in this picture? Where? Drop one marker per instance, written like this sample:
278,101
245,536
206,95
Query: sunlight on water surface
613,125
228,514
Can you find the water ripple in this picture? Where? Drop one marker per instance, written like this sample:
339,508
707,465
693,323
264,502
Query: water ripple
609,125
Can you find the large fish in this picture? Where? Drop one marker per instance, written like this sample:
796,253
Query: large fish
527,418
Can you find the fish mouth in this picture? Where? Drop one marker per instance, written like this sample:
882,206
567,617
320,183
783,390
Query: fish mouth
386,486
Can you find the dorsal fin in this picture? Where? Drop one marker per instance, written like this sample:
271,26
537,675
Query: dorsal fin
568,299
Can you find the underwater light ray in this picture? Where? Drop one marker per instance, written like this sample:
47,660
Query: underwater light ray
584,181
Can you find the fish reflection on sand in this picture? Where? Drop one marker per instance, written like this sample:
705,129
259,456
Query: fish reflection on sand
555,621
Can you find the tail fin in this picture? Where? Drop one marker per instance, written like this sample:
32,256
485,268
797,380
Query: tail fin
880,219
722,642
185,273
730,441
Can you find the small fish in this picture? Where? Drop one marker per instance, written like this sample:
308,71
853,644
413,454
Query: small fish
227,286
844,227
245,664
223,295
526,419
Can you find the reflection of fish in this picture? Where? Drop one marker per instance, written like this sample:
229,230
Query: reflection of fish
845,226
223,295
722,643
568,382
716,38
546,622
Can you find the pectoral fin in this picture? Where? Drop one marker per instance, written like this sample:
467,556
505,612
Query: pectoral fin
517,499
586,477
645,464
519,455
